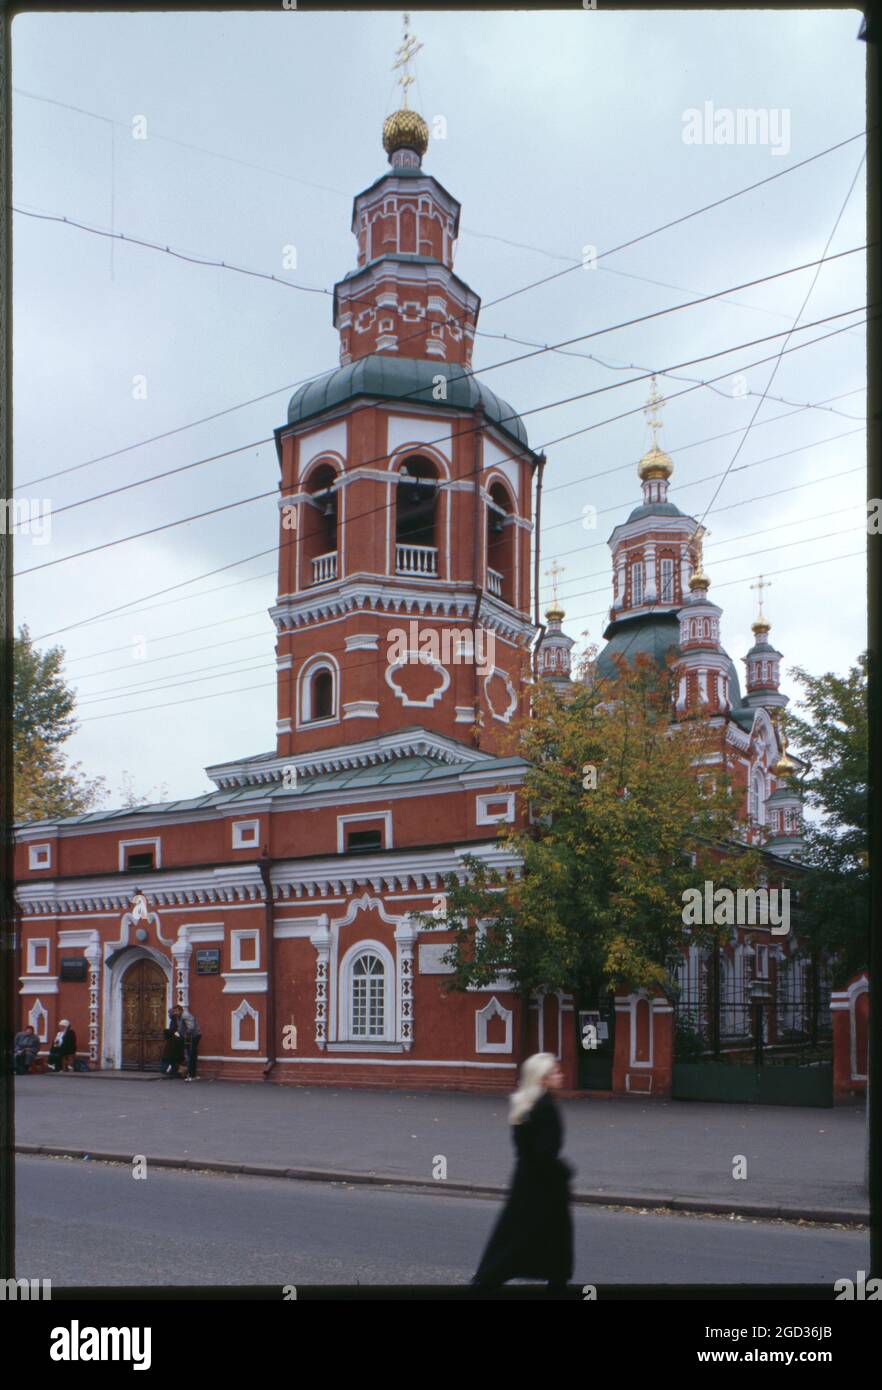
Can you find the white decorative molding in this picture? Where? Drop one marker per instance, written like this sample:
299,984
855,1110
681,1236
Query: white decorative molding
40,856
405,935
43,945
361,709
362,642
152,842
504,718
38,984
236,981
492,1009
488,816
246,834
238,936
38,1018
238,1023
414,658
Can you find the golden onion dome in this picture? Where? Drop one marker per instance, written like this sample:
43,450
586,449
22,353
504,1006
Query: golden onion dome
555,613
405,129
655,464
761,625
699,580
784,767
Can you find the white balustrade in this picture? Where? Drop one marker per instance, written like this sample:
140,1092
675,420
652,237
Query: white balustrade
324,567
419,560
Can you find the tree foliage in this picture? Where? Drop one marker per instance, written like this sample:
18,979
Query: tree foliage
623,809
831,732
47,784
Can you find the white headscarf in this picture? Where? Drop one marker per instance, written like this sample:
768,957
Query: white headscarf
530,1087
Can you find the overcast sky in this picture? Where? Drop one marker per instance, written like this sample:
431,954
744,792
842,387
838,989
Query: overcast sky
562,131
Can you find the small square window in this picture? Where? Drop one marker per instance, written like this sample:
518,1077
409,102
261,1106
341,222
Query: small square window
39,856
246,834
363,841
139,859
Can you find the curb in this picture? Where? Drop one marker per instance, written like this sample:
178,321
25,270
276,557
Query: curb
768,1211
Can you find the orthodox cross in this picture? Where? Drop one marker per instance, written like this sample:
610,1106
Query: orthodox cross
404,55
553,572
650,410
759,586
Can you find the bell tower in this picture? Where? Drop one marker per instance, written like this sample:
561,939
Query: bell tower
405,496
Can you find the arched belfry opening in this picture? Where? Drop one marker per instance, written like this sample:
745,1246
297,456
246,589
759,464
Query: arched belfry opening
500,544
319,551
416,518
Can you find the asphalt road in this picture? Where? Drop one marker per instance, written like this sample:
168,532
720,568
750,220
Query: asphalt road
82,1223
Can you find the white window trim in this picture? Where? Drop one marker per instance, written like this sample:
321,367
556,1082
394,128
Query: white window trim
344,821
487,817
33,943
366,948
492,1009
38,1018
237,1017
40,856
154,844
237,936
243,827
321,661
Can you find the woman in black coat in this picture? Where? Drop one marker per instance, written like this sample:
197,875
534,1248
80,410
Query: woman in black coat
63,1047
533,1237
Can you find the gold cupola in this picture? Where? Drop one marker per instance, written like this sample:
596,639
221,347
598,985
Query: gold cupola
405,129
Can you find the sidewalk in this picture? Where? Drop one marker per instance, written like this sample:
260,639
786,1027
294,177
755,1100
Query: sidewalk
800,1163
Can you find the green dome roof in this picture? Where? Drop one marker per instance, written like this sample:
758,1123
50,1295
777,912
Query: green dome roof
403,378
654,634
654,509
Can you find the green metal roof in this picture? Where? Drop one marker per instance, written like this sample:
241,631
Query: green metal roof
393,773
400,378
654,634
655,509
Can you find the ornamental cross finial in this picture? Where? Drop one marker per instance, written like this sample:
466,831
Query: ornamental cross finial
696,548
553,572
651,411
761,584
403,56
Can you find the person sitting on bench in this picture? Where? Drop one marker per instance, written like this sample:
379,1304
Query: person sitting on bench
64,1047
27,1045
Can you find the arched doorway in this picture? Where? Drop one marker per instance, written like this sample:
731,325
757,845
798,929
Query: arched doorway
144,1008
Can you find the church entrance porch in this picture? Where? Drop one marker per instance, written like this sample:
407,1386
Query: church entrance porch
143,1016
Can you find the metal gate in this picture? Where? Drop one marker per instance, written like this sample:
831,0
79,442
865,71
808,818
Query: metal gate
753,1025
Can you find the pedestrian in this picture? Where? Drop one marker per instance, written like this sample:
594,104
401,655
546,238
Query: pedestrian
64,1046
192,1034
172,1053
533,1236
26,1047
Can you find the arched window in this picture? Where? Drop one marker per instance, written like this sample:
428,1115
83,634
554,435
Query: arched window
318,686
416,505
667,580
319,522
367,1002
501,535
756,802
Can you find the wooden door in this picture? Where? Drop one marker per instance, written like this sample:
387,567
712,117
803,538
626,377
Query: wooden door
144,1012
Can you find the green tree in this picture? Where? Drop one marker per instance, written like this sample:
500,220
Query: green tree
622,810
47,785
831,733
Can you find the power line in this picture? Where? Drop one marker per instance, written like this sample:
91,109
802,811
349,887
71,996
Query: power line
613,386
630,323
265,574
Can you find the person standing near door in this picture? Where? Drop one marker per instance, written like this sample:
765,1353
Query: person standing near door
192,1034
533,1237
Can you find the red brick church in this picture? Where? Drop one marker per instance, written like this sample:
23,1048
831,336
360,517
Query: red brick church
281,905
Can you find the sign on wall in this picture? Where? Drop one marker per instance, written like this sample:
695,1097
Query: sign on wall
208,960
